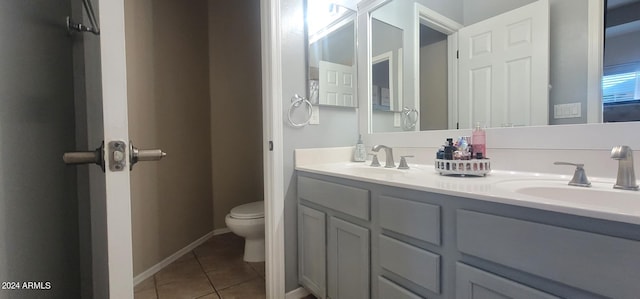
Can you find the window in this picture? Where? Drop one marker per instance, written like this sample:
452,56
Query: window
620,87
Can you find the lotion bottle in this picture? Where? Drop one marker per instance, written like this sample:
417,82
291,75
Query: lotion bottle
360,152
479,139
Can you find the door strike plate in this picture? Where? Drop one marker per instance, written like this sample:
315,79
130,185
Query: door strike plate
117,156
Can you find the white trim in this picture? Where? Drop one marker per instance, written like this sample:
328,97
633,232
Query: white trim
220,231
442,24
365,8
452,64
567,137
594,61
273,159
116,215
435,21
172,258
297,293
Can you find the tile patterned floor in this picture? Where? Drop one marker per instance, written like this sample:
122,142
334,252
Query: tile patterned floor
214,270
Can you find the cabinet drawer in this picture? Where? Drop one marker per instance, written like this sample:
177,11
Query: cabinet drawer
415,264
576,258
410,218
348,200
388,289
475,283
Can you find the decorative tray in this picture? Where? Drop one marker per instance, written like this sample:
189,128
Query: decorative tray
473,167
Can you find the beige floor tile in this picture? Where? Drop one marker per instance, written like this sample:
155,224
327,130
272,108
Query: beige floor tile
146,284
254,289
225,244
210,296
187,289
230,276
187,257
219,262
146,294
178,272
259,267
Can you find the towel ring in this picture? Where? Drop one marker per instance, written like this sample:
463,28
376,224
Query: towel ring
297,101
408,122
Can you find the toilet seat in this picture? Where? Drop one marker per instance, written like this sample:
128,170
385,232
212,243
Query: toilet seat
251,210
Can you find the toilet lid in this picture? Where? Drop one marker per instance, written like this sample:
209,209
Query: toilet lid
248,211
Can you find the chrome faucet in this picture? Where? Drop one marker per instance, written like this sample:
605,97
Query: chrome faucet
388,152
626,175
579,176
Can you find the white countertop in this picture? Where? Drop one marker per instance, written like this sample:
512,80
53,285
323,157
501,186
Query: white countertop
607,204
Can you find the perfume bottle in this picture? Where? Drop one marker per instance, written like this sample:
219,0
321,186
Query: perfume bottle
478,139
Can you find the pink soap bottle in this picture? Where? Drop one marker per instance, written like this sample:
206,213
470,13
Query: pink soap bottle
478,139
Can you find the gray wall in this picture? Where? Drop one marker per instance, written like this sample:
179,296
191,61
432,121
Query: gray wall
337,47
568,65
169,108
39,230
338,126
433,86
475,11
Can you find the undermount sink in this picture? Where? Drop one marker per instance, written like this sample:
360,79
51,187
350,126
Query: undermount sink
598,194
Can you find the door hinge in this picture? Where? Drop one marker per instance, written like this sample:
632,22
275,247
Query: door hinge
270,146
457,54
458,126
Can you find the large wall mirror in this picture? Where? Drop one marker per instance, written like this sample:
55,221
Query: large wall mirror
387,63
331,55
508,64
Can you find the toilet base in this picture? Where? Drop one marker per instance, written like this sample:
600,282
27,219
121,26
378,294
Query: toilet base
253,250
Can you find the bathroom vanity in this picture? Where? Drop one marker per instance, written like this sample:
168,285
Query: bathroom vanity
382,233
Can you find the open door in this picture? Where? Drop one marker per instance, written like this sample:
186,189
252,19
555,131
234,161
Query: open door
504,69
65,232
107,128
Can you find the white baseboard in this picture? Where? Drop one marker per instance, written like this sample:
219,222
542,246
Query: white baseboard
159,266
297,293
221,231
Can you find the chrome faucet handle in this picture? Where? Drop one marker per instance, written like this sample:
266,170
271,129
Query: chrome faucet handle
374,160
403,162
626,175
388,152
579,176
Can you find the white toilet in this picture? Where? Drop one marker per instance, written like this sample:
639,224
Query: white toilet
247,221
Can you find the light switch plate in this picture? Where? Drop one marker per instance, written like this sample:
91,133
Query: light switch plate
396,119
315,116
571,110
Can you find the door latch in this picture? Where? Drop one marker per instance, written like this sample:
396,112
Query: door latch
117,155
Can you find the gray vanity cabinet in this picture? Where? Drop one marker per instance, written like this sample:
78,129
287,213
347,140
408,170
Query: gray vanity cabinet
473,283
365,240
311,250
348,260
333,239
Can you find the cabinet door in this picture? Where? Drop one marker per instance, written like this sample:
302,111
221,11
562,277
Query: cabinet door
472,283
312,255
348,260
